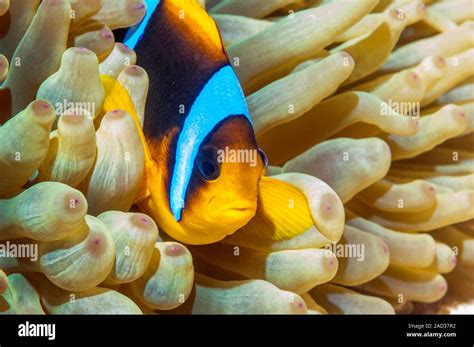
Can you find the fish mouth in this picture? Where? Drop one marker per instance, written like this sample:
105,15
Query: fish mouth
238,209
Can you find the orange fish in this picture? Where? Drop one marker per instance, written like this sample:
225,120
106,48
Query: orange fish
204,170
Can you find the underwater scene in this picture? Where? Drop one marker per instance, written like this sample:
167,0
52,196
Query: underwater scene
236,157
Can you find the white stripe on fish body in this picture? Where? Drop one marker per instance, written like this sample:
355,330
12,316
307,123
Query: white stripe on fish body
220,98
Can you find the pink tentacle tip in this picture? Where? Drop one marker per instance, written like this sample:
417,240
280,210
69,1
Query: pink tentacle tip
123,48
443,287
133,70
299,306
142,221
331,262
441,61
174,250
74,203
106,34
41,107
140,6
115,114
96,245
81,49
385,248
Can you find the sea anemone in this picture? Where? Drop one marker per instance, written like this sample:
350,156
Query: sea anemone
364,107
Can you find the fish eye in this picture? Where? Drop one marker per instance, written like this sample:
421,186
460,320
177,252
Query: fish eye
206,162
264,157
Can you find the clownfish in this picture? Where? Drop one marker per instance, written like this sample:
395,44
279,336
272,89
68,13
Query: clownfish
196,130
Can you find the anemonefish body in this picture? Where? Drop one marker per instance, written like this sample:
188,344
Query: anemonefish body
204,176
195,114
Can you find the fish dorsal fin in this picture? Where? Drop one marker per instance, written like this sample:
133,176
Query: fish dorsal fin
199,17
117,97
182,9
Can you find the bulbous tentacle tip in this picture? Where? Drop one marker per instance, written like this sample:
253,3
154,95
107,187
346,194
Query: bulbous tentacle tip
330,262
72,118
440,62
142,221
298,306
413,79
134,70
4,6
138,6
41,107
107,34
175,250
113,115
81,50
75,205
96,244
39,112
123,48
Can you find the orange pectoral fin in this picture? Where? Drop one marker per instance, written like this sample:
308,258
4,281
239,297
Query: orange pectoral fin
282,211
283,220
117,97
